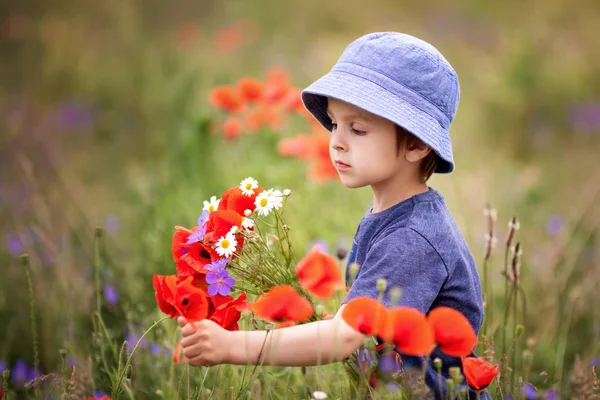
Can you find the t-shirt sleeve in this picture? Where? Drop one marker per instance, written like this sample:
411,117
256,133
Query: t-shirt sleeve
406,260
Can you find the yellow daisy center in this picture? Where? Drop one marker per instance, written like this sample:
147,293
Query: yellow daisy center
211,208
225,243
248,186
263,202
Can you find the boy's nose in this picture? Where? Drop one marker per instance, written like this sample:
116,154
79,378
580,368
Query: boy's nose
337,141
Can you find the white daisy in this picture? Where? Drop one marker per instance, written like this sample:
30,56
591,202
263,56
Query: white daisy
247,223
226,246
287,192
248,185
248,212
276,198
234,229
263,203
319,395
211,205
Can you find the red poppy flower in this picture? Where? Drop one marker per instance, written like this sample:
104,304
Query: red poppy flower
192,303
178,244
282,303
234,200
409,330
453,332
226,98
227,310
298,146
365,315
319,274
251,89
479,373
232,128
198,256
164,290
277,85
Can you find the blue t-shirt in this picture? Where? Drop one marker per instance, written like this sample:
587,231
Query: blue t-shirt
417,246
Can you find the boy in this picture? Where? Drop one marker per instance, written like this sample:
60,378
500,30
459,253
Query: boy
388,103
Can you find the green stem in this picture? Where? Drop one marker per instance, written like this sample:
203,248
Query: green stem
36,356
116,389
514,350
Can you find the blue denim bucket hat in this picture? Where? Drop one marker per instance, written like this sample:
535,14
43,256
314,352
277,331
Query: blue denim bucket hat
400,78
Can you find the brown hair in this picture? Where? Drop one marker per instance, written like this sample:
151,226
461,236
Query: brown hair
428,164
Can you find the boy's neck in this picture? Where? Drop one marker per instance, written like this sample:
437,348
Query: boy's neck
392,193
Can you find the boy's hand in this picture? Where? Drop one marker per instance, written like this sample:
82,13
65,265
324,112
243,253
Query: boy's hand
206,345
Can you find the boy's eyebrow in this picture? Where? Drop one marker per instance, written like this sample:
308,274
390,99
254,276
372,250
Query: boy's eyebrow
352,116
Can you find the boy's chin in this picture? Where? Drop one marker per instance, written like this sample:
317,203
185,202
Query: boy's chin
351,183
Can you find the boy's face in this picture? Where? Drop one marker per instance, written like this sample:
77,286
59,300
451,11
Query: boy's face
363,146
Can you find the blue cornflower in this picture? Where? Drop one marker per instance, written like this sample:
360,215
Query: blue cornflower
217,266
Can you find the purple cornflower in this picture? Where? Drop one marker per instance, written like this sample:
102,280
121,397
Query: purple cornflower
595,361
529,391
2,366
217,266
75,116
155,349
21,373
15,243
219,282
389,364
320,244
198,235
555,224
132,340
585,117
551,394
110,294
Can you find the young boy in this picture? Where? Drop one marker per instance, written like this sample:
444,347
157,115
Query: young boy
388,103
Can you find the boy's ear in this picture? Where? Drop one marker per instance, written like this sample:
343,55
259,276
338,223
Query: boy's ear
416,151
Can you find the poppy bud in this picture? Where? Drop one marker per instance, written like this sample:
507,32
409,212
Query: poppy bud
437,363
99,232
341,253
6,374
381,286
519,330
395,295
353,269
24,259
454,372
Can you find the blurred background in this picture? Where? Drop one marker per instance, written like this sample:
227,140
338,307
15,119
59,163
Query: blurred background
105,121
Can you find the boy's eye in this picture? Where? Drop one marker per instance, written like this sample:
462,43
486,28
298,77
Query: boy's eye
333,126
357,132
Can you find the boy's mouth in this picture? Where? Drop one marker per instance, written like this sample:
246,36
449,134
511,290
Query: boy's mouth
341,165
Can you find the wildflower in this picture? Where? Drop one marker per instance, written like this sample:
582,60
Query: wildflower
217,266
220,223
132,339
555,224
282,303
276,198
277,86
251,89
234,200
227,310
319,274
247,223
155,349
365,315
226,245
212,204
226,98
409,330
529,391
199,232
229,38
248,185
319,395
453,332
479,373
164,291
112,224
247,212
110,294
298,146
220,282
191,302
263,204
287,192
232,128
390,363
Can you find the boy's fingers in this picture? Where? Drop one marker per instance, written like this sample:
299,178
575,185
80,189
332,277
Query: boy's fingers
181,321
188,330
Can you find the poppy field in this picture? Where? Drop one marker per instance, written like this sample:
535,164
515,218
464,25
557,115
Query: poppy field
157,165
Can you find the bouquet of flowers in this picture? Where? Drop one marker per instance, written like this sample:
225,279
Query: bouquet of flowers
227,252
241,245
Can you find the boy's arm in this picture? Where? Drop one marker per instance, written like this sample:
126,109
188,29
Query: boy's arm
315,343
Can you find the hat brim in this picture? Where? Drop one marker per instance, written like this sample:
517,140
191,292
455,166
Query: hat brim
373,98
